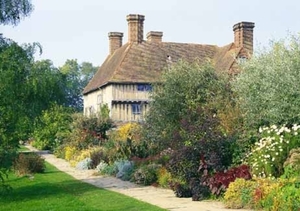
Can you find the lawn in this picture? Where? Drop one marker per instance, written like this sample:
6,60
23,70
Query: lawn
56,190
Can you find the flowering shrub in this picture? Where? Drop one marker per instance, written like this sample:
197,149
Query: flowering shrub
127,131
269,153
70,152
263,194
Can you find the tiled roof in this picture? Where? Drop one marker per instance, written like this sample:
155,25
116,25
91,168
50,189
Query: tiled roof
144,62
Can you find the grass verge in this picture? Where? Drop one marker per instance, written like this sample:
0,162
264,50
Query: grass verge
58,191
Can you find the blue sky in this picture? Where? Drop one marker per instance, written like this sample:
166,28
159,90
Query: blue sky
76,29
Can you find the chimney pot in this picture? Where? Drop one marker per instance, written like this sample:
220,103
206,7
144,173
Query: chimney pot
115,41
135,28
154,36
243,36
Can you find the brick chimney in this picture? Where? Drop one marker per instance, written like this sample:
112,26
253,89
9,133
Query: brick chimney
154,36
115,41
135,28
243,36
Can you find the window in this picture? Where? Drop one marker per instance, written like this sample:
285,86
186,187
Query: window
242,59
144,87
136,108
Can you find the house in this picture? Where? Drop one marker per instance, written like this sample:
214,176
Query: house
123,81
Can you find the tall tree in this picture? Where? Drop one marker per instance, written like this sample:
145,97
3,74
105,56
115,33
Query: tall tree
12,11
26,89
185,88
76,77
268,86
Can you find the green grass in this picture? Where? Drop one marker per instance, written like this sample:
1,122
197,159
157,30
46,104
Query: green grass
55,190
22,148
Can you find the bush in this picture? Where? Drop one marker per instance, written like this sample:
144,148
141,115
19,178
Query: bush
125,169
97,155
128,143
84,164
164,177
285,198
111,170
87,132
52,126
239,194
292,164
29,163
264,194
220,181
101,166
186,93
146,175
199,190
269,153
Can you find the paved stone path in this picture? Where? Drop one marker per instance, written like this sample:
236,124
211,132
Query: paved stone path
163,198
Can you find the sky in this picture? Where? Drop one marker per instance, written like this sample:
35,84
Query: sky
76,29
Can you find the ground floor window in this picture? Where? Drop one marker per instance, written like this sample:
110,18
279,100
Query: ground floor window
136,108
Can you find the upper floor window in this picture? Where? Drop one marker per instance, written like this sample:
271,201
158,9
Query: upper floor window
144,87
242,59
136,108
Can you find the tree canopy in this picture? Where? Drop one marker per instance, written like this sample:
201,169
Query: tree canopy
76,76
268,88
186,89
12,11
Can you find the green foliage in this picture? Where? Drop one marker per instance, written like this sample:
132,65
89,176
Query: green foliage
287,198
111,170
239,194
26,89
97,155
184,88
15,64
268,88
292,164
164,177
127,142
263,194
29,163
12,11
271,151
147,174
125,169
52,127
76,77
87,132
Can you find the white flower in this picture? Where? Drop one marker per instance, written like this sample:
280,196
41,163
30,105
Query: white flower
274,127
273,159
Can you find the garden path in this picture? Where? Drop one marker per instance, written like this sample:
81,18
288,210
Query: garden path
163,198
